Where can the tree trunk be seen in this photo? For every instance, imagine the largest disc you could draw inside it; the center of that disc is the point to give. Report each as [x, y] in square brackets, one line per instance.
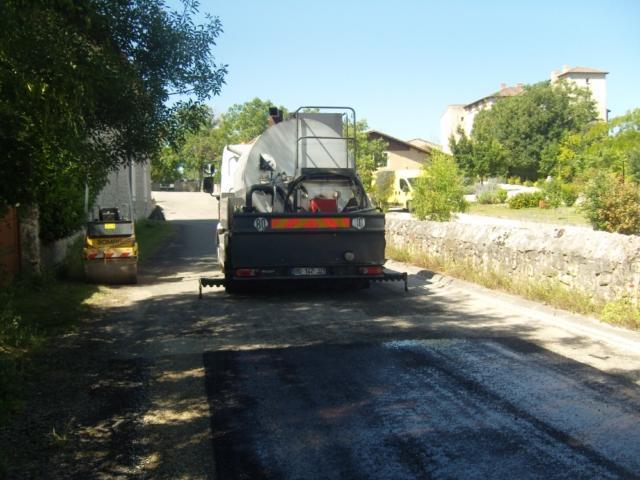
[30, 239]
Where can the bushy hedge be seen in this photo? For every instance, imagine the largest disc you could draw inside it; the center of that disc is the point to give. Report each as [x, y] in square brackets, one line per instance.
[613, 204]
[569, 193]
[525, 200]
[487, 197]
[440, 190]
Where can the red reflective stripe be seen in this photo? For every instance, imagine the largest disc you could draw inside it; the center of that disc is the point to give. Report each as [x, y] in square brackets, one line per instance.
[310, 223]
[91, 256]
[108, 254]
[124, 254]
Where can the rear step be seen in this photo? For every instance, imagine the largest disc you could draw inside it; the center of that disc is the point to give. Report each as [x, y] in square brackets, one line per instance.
[381, 277]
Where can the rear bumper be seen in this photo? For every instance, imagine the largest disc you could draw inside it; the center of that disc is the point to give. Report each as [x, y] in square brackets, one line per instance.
[384, 277]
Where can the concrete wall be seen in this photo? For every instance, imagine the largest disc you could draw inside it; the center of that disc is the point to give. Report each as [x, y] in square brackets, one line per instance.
[55, 252]
[604, 265]
[116, 192]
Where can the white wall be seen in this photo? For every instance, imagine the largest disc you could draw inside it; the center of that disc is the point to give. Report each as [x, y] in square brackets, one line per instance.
[452, 117]
[597, 83]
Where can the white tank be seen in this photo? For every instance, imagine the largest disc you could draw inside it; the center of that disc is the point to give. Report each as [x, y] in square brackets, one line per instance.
[317, 138]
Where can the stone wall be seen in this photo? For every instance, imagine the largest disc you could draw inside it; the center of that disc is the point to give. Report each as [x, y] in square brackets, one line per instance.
[55, 252]
[604, 265]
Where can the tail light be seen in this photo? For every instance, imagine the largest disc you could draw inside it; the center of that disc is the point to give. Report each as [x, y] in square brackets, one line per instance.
[246, 272]
[375, 270]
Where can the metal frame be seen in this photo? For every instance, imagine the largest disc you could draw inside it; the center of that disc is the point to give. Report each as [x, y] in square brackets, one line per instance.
[352, 139]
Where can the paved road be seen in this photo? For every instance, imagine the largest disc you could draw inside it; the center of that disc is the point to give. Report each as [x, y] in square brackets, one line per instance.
[447, 381]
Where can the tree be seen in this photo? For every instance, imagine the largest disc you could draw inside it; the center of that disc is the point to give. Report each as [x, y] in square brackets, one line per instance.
[371, 153]
[440, 190]
[244, 122]
[602, 146]
[518, 135]
[84, 87]
[462, 151]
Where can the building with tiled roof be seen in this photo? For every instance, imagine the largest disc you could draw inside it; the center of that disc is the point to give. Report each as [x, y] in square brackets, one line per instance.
[463, 115]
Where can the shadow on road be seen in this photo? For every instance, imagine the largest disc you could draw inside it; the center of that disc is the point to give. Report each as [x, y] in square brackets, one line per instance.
[140, 366]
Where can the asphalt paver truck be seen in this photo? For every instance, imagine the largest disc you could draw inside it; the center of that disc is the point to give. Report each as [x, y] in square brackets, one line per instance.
[292, 208]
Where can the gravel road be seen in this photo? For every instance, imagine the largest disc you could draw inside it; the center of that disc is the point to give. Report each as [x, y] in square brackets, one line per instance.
[446, 381]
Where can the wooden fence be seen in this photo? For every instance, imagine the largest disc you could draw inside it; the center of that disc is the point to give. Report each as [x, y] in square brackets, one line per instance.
[9, 245]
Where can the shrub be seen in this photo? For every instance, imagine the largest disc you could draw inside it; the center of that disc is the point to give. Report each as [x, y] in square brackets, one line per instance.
[382, 189]
[552, 190]
[439, 191]
[569, 194]
[622, 312]
[613, 205]
[528, 183]
[487, 197]
[525, 200]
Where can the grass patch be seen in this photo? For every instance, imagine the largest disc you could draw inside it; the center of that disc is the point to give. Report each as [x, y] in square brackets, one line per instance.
[560, 215]
[620, 312]
[33, 310]
[150, 235]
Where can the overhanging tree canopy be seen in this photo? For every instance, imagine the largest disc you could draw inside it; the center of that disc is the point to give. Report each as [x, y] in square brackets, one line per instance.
[84, 87]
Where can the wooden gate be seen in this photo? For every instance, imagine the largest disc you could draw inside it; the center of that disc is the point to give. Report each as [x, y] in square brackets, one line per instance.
[9, 245]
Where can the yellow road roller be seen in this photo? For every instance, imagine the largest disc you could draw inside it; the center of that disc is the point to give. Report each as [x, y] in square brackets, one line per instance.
[110, 249]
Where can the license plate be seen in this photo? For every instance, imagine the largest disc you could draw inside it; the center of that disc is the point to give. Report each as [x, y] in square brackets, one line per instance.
[109, 226]
[308, 271]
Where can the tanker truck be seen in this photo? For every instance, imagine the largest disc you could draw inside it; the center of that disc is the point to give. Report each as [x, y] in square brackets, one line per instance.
[292, 207]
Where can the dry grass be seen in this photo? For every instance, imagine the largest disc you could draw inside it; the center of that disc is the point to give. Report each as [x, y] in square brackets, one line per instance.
[553, 293]
[560, 215]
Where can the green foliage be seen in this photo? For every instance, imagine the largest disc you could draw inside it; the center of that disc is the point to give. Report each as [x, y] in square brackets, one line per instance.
[440, 190]
[371, 153]
[569, 193]
[203, 146]
[486, 198]
[150, 235]
[490, 194]
[84, 88]
[612, 204]
[525, 200]
[622, 312]
[613, 147]
[244, 122]
[383, 189]
[518, 136]
[552, 190]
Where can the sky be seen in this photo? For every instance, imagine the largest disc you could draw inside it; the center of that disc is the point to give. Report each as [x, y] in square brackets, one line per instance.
[400, 63]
